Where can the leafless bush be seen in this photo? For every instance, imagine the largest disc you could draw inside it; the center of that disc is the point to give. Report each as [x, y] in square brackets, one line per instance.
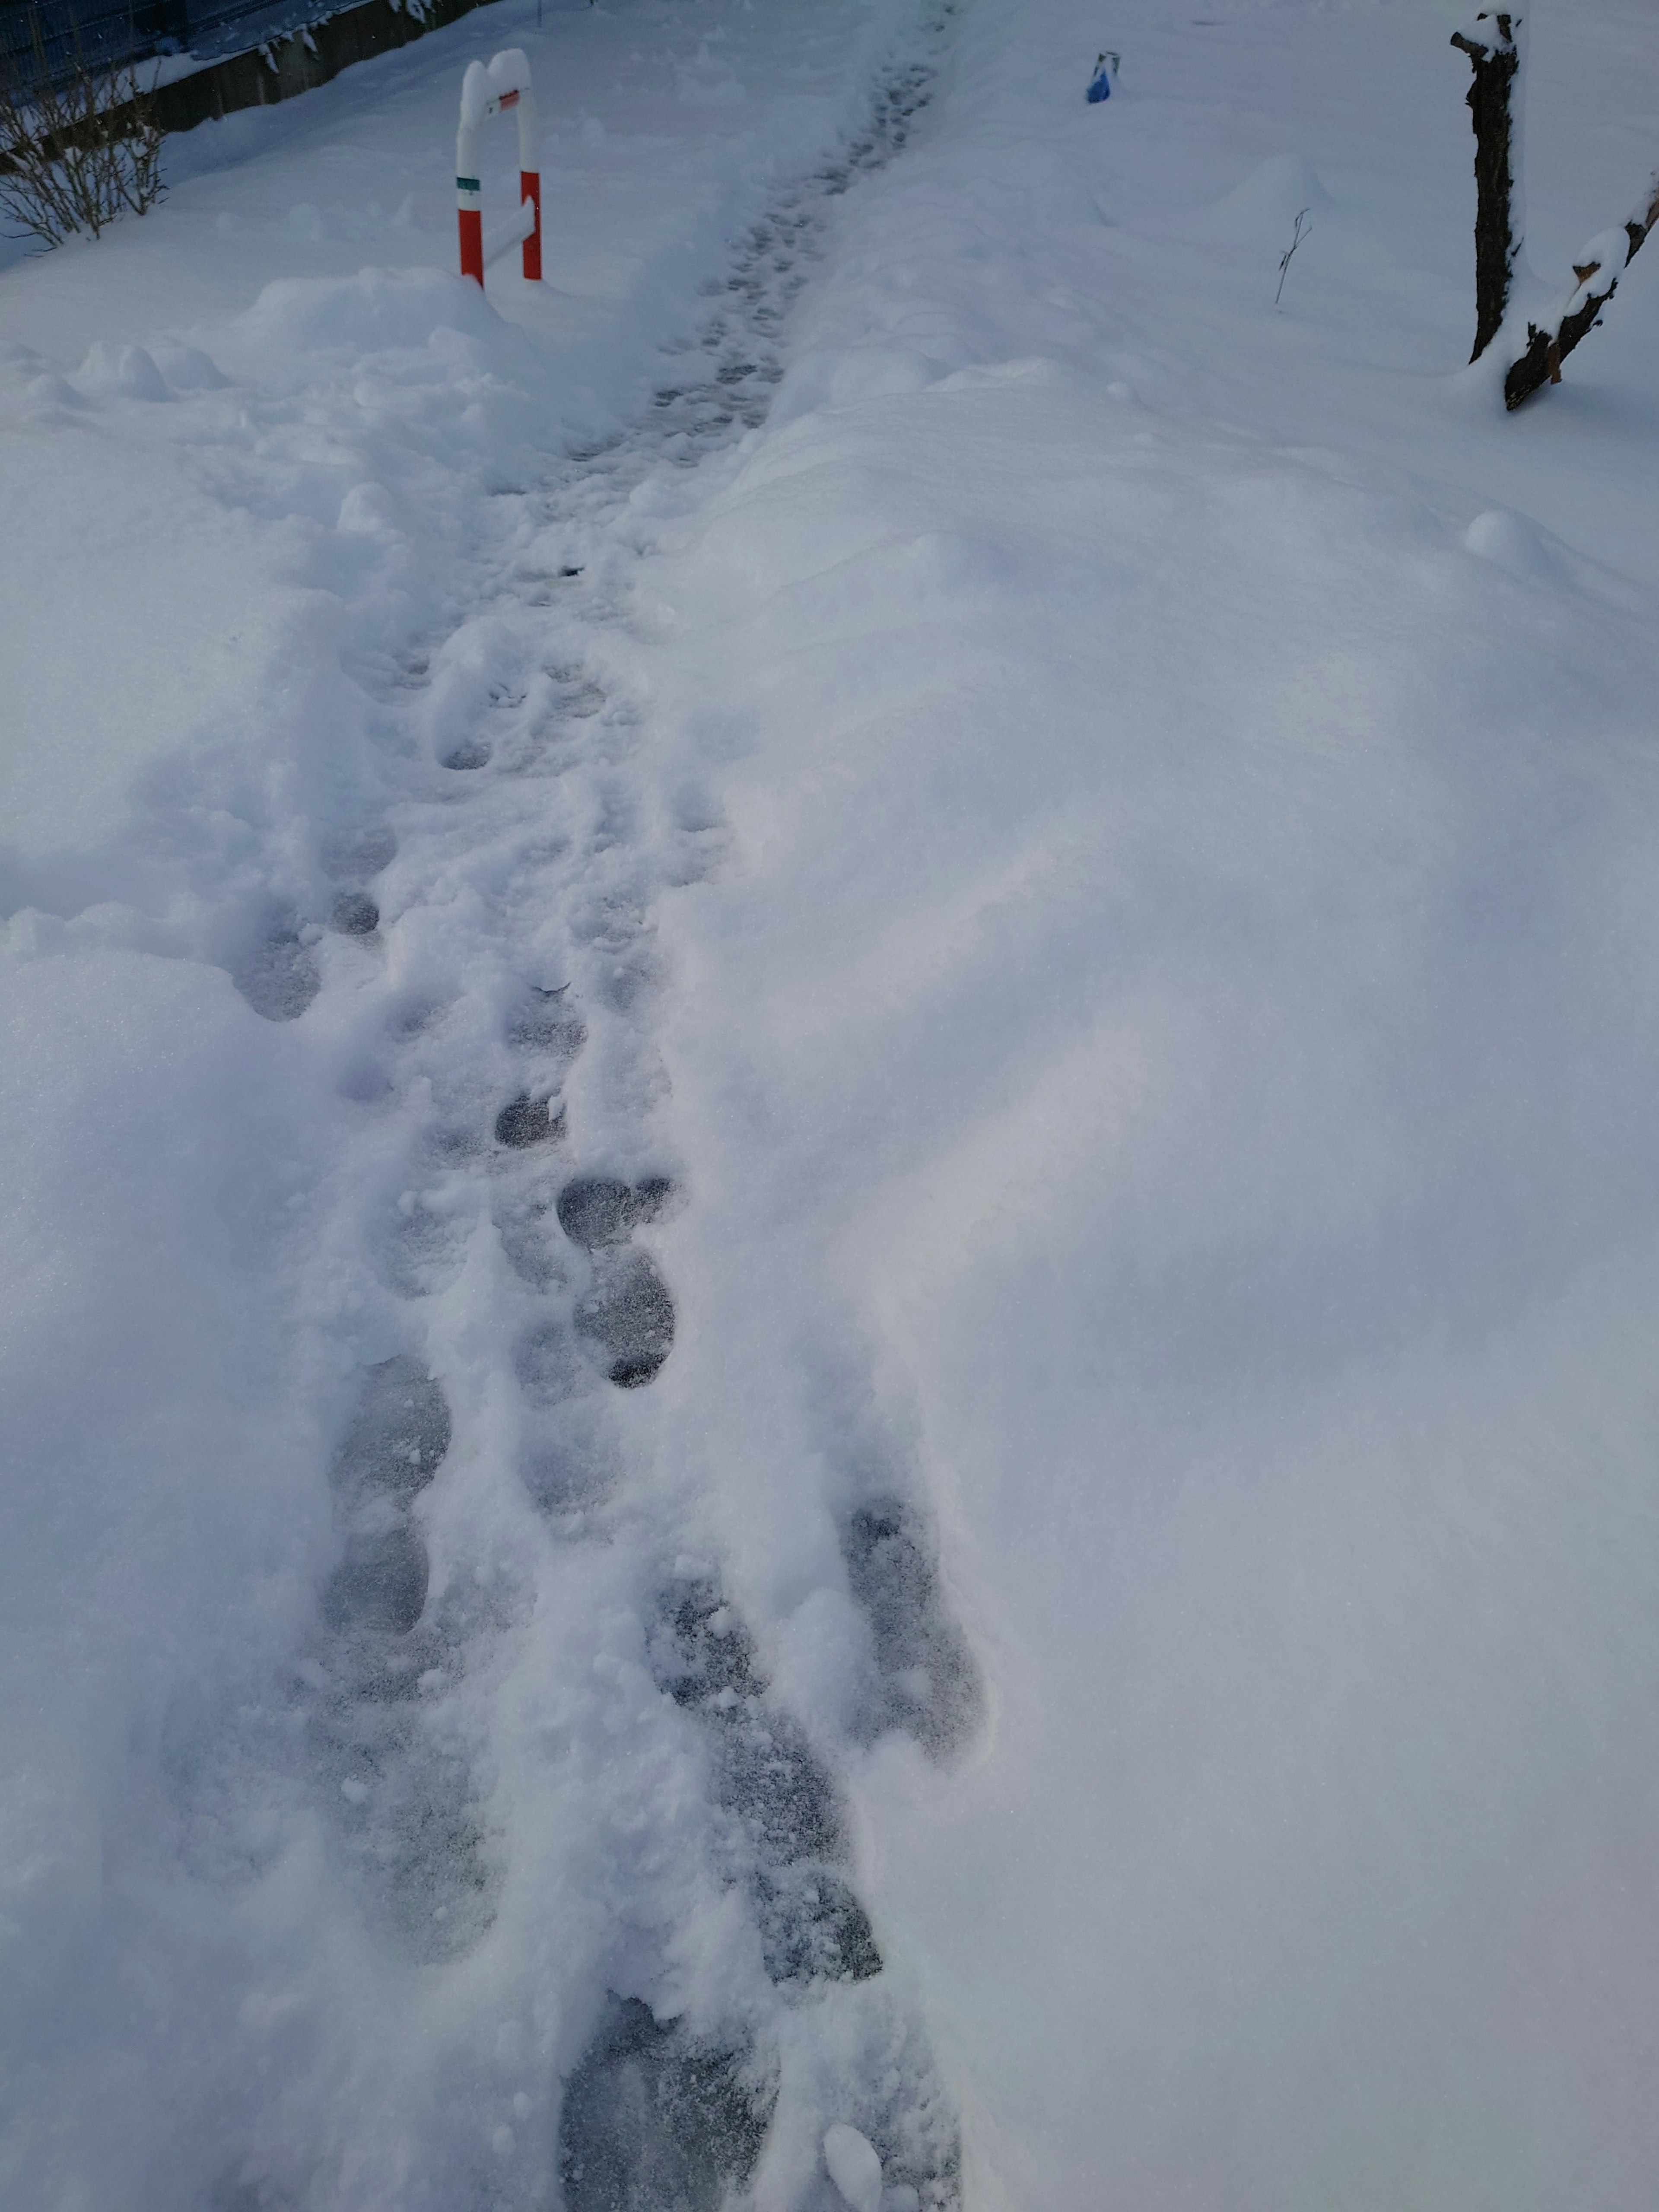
[76, 151]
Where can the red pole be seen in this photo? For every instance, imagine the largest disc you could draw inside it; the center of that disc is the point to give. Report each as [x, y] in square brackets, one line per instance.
[471, 221]
[530, 188]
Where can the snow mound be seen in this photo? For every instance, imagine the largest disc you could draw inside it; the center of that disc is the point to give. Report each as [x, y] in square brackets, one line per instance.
[376, 311]
[187, 368]
[121, 371]
[847, 377]
[1514, 543]
[1262, 209]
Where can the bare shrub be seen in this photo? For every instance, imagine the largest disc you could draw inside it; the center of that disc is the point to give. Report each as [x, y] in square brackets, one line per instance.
[78, 149]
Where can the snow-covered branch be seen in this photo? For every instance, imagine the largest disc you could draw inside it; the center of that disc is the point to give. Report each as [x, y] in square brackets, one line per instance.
[1595, 279]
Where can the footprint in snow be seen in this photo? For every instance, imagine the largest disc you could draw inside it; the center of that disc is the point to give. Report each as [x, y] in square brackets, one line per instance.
[628, 1314]
[626, 1310]
[526, 1120]
[784, 1806]
[381, 1584]
[655, 2116]
[549, 1026]
[396, 1441]
[279, 976]
[399, 1435]
[355, 915]
[923, 1678]
[353, 861]
[403, 1802]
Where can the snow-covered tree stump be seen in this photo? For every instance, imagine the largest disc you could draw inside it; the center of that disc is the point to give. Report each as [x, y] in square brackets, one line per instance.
[1491, 45]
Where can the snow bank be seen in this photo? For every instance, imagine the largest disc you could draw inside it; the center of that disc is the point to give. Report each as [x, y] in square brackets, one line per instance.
[1168, 1058]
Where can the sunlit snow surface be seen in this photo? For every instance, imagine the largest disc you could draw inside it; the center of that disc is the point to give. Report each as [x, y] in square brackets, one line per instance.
[829, 1142]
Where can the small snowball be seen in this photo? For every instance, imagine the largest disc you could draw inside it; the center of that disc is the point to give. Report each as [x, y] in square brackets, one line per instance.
[1514, 543]
[854, 2167]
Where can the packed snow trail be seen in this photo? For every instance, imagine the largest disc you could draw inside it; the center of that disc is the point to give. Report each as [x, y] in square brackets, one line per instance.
[658, 1940]
[505, 1187]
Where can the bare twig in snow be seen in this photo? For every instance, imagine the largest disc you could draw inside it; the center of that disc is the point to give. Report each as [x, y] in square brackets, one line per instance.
[1304, 228]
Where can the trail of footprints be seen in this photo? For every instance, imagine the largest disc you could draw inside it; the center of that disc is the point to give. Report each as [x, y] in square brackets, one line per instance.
[405, 1802]
[653, 2116]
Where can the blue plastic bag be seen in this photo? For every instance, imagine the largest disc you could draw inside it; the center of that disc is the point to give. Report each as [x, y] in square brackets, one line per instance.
[1100, 85]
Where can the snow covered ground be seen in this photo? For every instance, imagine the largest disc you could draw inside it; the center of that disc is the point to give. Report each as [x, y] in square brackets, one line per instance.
[830, 1194]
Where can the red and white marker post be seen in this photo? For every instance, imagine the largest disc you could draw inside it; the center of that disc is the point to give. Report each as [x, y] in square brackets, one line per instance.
[502, 86]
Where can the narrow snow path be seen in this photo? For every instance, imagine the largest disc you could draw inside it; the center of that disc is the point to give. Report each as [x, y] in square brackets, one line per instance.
[505, 1190]
[509, 1832]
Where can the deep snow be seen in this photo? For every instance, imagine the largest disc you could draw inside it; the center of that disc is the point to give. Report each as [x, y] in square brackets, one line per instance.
[836, 1150]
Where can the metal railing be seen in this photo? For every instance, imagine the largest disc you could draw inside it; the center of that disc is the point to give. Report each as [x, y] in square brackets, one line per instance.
[50, 37]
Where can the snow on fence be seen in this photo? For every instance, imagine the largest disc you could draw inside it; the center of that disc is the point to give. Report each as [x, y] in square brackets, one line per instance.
[504, 86]
[216, 56]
